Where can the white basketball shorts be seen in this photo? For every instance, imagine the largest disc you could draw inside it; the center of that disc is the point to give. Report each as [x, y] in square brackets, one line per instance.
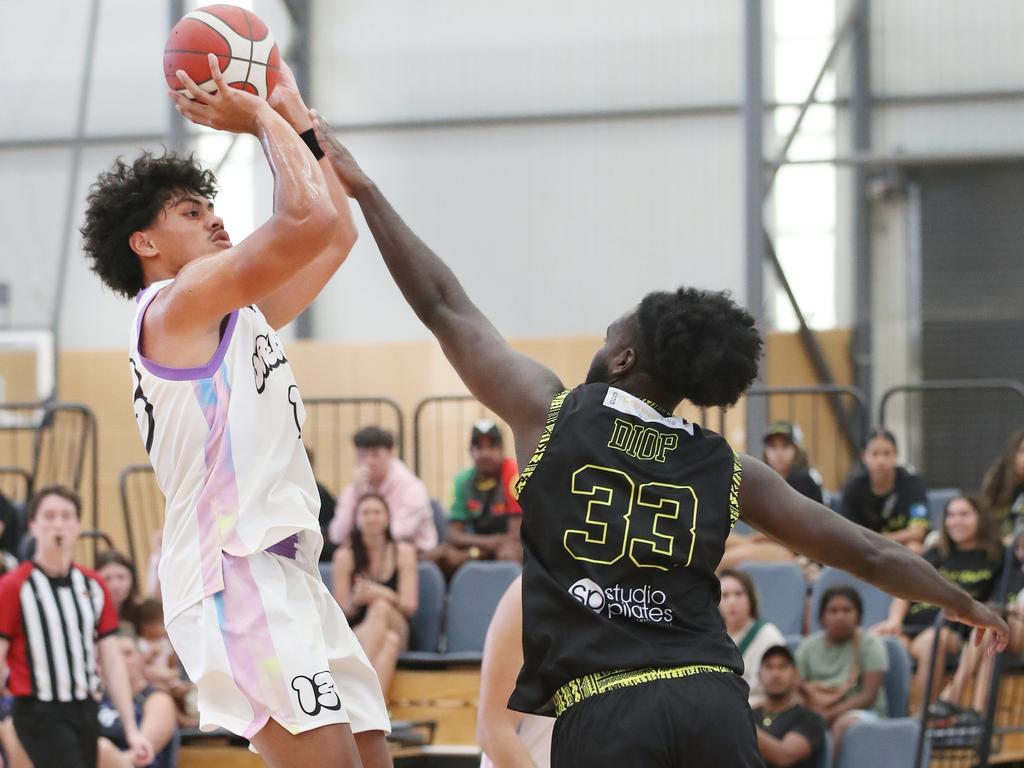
[275, 644]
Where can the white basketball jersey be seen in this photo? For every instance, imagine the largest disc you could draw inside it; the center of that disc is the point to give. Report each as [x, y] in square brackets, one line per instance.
[225, 444]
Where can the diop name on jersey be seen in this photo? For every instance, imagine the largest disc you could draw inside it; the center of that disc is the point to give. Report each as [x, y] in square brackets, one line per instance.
[638, 603]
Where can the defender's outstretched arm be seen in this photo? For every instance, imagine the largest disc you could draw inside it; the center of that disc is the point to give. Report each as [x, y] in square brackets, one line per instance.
[516, 387]
[769, 504]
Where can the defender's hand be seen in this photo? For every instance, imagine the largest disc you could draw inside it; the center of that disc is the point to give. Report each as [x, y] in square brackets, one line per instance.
[984, 619]
[228, 109]
[348, 170]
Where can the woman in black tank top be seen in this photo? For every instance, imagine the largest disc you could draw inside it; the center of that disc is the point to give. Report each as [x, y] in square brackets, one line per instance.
[376, 585]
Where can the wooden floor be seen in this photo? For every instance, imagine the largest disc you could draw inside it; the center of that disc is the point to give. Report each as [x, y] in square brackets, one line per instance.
[447, 697]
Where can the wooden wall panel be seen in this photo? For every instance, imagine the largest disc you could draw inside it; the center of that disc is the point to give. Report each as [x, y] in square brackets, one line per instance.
[406, 372]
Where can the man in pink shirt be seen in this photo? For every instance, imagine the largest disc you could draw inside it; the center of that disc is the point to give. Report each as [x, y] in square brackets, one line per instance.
[379, 471]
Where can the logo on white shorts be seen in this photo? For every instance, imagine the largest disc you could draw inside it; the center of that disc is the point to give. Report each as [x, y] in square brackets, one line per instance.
[316, 693]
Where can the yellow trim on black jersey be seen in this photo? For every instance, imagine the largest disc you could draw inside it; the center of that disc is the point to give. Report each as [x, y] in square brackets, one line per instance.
[542, 443]
[734, 489]
[584, 687]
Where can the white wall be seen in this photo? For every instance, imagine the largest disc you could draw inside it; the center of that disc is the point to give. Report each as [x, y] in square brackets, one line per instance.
[556, 227]
[42, 44]
[920, 47]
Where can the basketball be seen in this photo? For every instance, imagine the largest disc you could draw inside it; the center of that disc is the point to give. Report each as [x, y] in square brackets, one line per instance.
[245, 49]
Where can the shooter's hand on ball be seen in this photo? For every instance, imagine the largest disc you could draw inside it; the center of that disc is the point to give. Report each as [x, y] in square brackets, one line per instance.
[286, 98]
[228, 109]
[348, 170]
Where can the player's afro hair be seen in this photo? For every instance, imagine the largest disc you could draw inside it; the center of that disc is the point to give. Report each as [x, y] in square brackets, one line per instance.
[128, 198]
[700, 345]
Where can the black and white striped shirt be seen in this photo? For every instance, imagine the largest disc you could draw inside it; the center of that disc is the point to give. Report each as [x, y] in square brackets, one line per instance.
[53, 626]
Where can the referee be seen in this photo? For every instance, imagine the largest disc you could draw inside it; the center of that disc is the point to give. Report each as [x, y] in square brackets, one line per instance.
[626, 512]
[56, 621]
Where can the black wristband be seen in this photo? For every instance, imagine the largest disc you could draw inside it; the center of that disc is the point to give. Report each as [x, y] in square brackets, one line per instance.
[314, 146]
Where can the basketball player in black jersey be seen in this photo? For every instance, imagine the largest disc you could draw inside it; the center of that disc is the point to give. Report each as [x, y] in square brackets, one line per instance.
[626, 512]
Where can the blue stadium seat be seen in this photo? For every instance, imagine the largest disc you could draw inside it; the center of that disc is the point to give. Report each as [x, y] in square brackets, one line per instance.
[825, 756]
[440, 519]
[834, 501]
[475, 591]
[938, 498]
[876, 602]
[897, 679]
[879, 744]
[326, 572]
[743, 529]
[781, 593]
[425, 625]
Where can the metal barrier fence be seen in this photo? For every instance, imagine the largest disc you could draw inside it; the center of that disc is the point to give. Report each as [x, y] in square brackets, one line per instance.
[953, 430]
[330, 424]
[441, 429]
[142, 505]
[834, 421]
[987, 725]
[46, 443]
[971, 738]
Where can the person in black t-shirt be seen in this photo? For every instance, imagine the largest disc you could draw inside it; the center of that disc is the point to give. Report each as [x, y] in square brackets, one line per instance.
[784, 452]
[969, 554]
[788, 733]
[885, 497]
[622, 639]
[976, 665]
[1003, 487]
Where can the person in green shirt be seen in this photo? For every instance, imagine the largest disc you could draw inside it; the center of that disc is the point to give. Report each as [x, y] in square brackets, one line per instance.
[485, 516]
[842, 666]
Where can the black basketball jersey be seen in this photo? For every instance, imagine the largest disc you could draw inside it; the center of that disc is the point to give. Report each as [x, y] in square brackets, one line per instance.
[626, 512]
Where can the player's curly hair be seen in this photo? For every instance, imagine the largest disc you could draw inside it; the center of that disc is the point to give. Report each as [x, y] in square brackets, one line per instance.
[128, 198]
[700, 345]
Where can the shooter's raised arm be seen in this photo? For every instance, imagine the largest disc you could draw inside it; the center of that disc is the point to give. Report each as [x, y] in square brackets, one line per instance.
[301, 227]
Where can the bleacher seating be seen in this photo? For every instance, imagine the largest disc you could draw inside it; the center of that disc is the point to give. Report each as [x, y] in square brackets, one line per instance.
[425, 625]
[475, 591]
[440, 519]
[743, 529]
[879, 744]
[825, 756]
[781, 593]
[897, 679]
[938, 498]
[876, 602]
[834, 500]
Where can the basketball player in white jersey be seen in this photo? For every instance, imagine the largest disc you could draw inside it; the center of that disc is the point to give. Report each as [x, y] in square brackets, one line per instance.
[221, 418]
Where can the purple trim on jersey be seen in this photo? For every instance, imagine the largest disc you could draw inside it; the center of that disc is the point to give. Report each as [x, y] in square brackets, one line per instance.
[287, 547]
[185, 374]
[217, 507]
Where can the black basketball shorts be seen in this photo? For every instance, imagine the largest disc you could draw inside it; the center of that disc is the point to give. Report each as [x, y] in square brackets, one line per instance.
[699, 721]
